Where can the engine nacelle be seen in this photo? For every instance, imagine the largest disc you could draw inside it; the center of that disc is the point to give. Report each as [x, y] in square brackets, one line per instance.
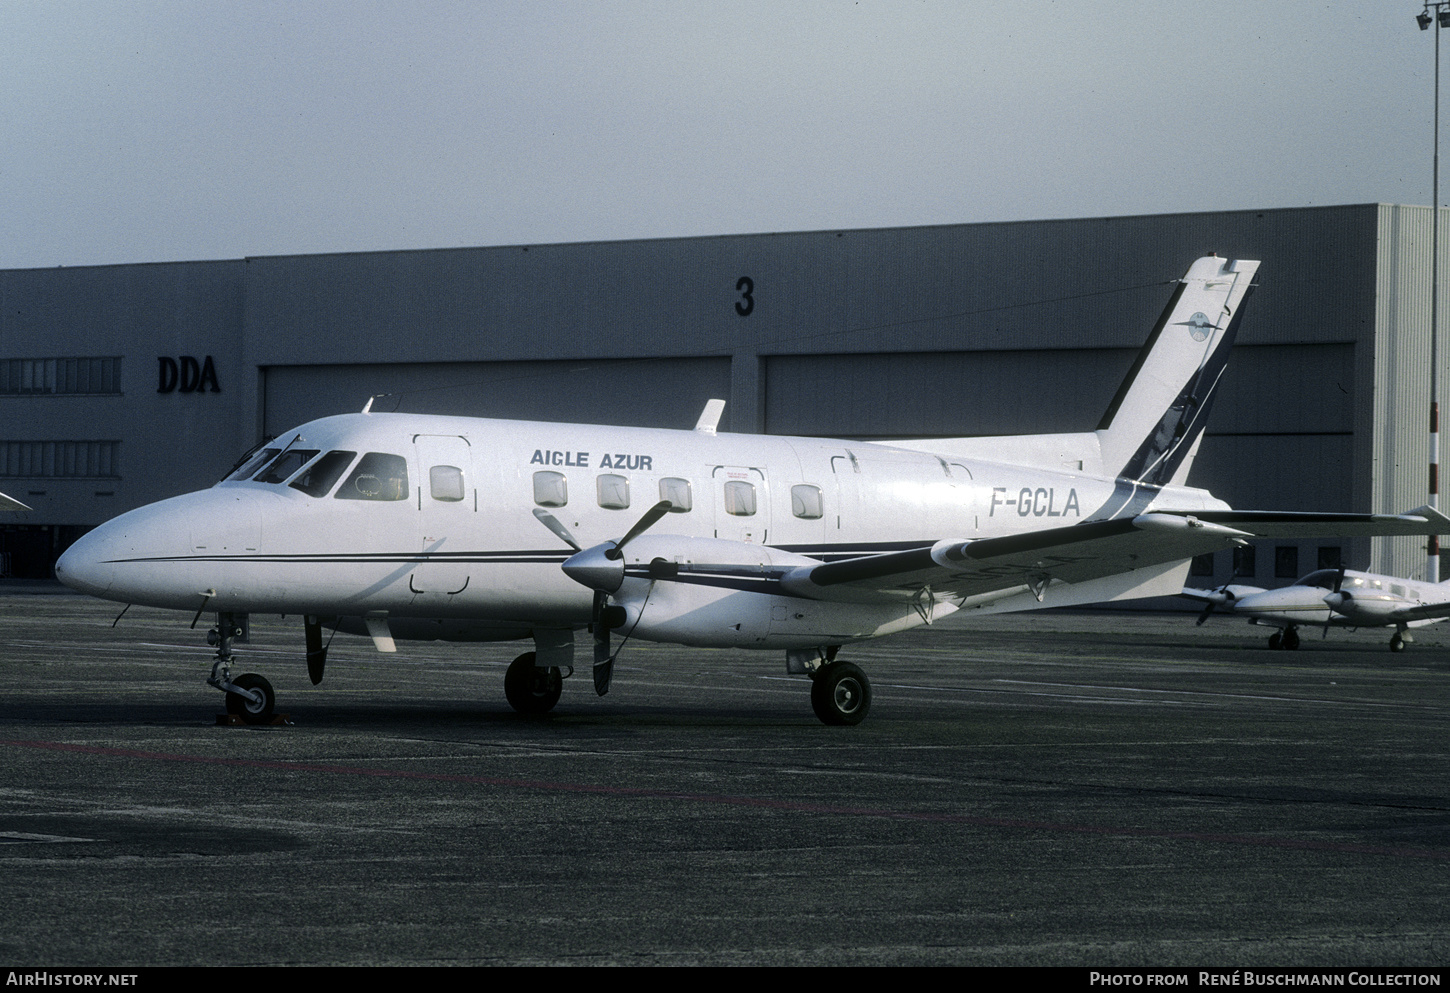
[727, 594]
[1367, 608]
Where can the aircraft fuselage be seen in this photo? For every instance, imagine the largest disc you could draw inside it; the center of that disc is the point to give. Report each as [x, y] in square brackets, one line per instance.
[429, 517]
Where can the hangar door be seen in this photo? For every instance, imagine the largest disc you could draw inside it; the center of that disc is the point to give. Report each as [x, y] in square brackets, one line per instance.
[637, 392]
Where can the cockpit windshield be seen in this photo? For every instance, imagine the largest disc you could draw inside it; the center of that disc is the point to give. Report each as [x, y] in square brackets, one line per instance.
[1322, 578]
[286, 464]
[318, 478]
[248, 464]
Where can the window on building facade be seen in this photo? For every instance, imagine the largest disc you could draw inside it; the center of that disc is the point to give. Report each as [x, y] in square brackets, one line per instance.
[1286, 561]
[1244, 562]
[60, 459]
[59, 377]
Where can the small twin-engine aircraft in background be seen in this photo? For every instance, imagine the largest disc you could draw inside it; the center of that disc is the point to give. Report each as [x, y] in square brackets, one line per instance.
[1333, 598]
[412, 526]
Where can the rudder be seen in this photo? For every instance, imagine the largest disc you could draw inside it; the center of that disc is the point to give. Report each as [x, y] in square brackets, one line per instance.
[1151, 430]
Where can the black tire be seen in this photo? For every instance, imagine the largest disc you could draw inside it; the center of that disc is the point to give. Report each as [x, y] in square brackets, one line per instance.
[531, 690]
[841, 694]
[1397, 643]
[1276, 640]
[249, 712]
[1291, 639]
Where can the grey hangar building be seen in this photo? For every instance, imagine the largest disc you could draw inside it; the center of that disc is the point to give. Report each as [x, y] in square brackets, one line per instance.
[125, 384]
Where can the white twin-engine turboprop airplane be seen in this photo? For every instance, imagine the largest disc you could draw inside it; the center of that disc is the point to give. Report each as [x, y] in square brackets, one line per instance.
[1334, 598]
[416, 526]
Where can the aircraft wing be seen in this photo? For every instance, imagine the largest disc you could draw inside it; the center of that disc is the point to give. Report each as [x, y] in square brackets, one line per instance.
[1224, 594]
[10, 503]
[988, 568]
[1419, 612]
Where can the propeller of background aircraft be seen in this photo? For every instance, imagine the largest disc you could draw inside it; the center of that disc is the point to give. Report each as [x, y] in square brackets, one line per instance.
[1225, 596]
[1222, 595]
[1334, 592]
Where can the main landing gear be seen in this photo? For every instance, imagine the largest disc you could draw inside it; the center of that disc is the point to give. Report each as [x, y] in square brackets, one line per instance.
[840, 694]
[530, 689]
[249, 696]
[840, 691]
[1287, 639]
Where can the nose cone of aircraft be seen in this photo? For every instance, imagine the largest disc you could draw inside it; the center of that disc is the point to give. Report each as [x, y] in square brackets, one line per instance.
[593, 568]
[85, 565]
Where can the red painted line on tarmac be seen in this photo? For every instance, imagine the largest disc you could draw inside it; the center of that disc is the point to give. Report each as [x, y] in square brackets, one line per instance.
[1301, 844]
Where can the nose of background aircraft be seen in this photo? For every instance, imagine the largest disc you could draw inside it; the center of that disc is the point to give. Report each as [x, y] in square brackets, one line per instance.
[84, 566]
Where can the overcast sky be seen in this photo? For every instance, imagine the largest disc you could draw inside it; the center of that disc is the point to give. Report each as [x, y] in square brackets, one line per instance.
[158, 131]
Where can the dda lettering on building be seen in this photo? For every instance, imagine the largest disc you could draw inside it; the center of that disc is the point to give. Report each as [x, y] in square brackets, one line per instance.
[186, 375]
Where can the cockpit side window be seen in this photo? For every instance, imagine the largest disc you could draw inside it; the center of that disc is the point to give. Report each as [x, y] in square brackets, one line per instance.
[318, 478]
[287, 463]
[378, 476]
[251, 465]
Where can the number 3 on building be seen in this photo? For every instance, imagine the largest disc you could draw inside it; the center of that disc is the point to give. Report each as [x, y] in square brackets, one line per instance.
[745, 286]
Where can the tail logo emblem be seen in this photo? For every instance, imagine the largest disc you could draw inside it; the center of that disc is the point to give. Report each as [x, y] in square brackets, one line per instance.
[1199, 326]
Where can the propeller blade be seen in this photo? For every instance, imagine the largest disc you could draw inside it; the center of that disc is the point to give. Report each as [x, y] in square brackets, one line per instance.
[650, 518]
[552, 523]
[603, 661]
[1207, 609]
[1338, 582]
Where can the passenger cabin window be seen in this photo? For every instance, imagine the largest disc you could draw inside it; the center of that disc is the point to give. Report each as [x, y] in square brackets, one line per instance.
[445, 482]
[551, 489]
[378, 476]
[251, 465]
[805, 501]
[318, 478]
[740, 498]
[677, 492]
[287, 463]
[613, 491]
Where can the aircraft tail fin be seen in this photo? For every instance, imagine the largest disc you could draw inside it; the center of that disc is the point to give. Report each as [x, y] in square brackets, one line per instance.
[1151, 430]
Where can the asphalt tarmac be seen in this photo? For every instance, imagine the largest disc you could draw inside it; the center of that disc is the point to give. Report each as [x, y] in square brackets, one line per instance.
[1085, 789]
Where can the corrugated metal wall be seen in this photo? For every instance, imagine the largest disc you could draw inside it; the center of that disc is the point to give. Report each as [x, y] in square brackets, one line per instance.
[949, 330]
[1399, 420]
[645, 392]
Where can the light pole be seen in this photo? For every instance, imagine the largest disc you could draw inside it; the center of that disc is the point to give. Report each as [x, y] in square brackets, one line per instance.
[1440, 19]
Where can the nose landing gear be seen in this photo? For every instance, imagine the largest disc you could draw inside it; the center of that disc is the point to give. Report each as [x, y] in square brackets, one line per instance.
[249, 696]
